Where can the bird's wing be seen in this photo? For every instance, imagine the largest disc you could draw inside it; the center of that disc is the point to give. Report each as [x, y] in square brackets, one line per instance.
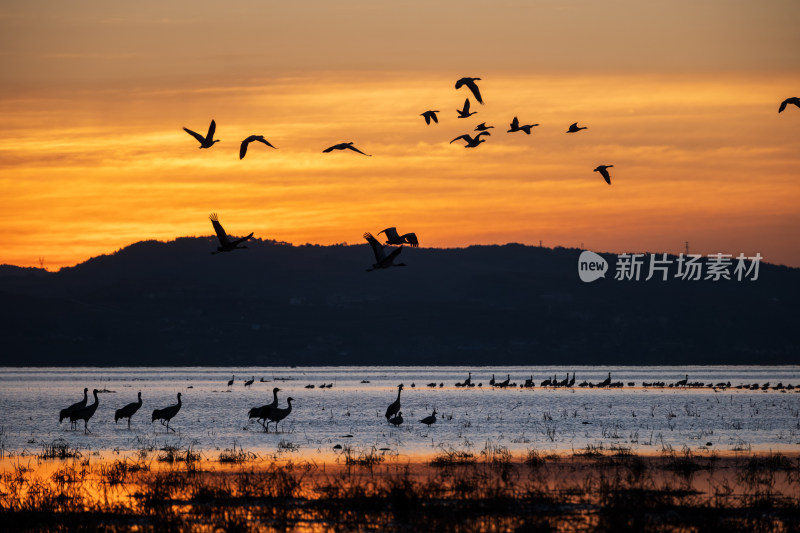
[783, 106]
[221, 235]
[243, 147]
[389, 259]
[526, 129]
[332, 148]
[606, 175]
[474, 88]
[411, 238]
[211, 129]
[433, 116]
[466, 105]
[427, 118]
[196, 135]
[391, 234]
[465, 137]
[261, 139]
[350, 146]
[460, 82]
[515, 124]
[239, 241]
[376, 246]
[483, 133]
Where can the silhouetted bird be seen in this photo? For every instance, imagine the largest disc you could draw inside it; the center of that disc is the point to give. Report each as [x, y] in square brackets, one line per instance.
[516, 127]
[344, 146]
[230, 381]
[574, 128]
[430, 115]
[260, 413]
[397, 420]
[64, 413]
[249, 381]
[167, 413]
[602, 169]
[246, 142]
[472, 86]
[277, 414]
[428, 420]
[465, 113]
[793, 100]
[207, 141]
[85, 413]
[382, 260]
[482, 127]
[392, 237]
[225, 244]
[128, 411]
[472, 142]
[394, 407]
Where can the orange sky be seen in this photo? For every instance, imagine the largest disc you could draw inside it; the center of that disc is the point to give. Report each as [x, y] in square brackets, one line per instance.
[682, 100]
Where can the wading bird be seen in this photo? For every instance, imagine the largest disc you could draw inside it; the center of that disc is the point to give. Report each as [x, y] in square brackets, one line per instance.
[793, 100]
[246, 142]
[128, 411]
[260, 413]
[344, 146]
[230, 381]
[516, 127]
[64, 413]
[392, 237]
[225, 244]
[394, 407]
[573, 128]
[167, 413]
[382, 260]
[431, 419]
[465, 113]
[430, 115]
[249, 381]
[472, 86]
[207, 141]
[603, 170]
[397, 420]
[472, 142]
[85, 413]
[277, 414]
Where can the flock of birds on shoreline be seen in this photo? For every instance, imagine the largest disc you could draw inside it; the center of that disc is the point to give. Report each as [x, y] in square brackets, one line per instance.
[382, 258]
[273, 413]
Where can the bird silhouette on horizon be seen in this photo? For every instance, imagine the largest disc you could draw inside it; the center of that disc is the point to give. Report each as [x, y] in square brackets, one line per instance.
[472, 86]
[392, 237]
[394, 407]
[225, 243]
[793, 100]
[573, 128]
[128, 411]
[603, 170]
[471, 141]
[252, 138]
[344, 146]
[430, 419]
[64, 413]
[167, 413]
[465, 112]
[516, 127]
[382, 260]
[207, 141]
[430, 115]
[261, 413]
[85, 413]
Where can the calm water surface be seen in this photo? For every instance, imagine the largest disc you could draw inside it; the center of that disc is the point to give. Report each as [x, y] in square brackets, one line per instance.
[214, 417]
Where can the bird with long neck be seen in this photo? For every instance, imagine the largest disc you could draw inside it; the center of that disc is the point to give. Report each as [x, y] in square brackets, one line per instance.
[64, 413]
[394, 407]
[85, 413]
[277, 414]
[167, 413]
[128, 411]
[261, 413]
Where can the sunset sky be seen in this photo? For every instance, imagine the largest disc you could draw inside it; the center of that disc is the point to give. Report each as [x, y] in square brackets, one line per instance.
[681, 97]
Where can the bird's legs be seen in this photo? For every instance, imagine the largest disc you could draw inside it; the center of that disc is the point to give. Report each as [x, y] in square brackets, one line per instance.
[170, 427]
[86, 427]
[129, 422]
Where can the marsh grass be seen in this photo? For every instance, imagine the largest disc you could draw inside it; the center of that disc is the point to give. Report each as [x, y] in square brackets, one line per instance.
[58, 449]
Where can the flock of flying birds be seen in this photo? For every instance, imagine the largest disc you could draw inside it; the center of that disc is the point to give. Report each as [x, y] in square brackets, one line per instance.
[382, 258]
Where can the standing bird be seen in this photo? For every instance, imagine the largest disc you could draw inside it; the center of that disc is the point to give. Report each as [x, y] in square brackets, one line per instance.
[482, 127]
[603, 170]
[793, 100]
[85, 413]
[249, 381]
[167, 413]
[128, 411]
[246, 142]
[64, 413]
[516, 127]
[472, 142]
[260, 413]
[431, 419]
[392, 237]
[573, 128]
[472, 86]
[383, 260]
[465, 113]
[430, 115]
[344, 146]
[394, 407]
[397, 420]
[207, 141]
[277, 414]
[225, 244]
[230, 381]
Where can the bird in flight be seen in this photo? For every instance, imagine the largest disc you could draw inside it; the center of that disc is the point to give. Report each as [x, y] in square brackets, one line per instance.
[472, 142]
[464, 113]
[343, 146]
[516, 127]
[246, 142]
[207, 141]
[574, 128]
[472, 86]
[382, 260]
[392, 237]
[430, 115]
[794, 100]
[482, 127]
[225, 243]
[603, 170]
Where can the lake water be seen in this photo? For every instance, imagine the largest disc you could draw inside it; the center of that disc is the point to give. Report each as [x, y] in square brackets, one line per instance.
[213, 417]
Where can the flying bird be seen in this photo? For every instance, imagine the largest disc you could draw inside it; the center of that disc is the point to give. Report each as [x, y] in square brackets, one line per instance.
[472, 86]
[128, 411]
[343, 146]
[382, 260]
[207, 141]
[516, 127]
[482, 127]
[430, 115]
[392, 237]
[574, 128]
[64, 413]
[246, 142]
[603, 170]
[472, 142]
[167, 413]
[225, 244]
[794, 100]
[464, 113]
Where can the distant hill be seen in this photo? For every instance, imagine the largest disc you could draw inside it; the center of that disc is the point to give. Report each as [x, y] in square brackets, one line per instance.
[156, 303]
